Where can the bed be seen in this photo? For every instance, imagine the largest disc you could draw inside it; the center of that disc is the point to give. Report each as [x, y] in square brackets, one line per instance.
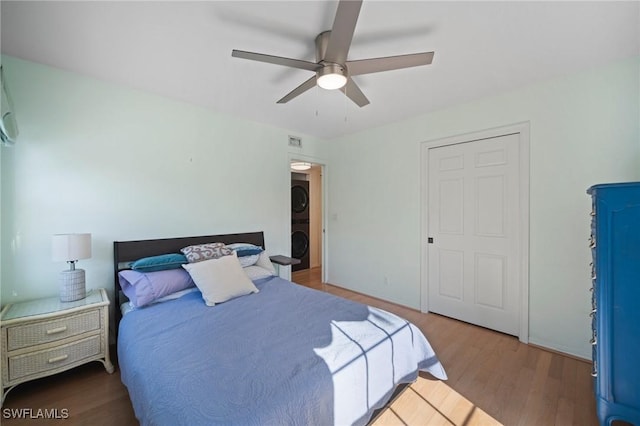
[282, 354]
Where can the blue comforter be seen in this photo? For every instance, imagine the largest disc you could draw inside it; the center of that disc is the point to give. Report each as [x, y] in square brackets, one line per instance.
[284, 355]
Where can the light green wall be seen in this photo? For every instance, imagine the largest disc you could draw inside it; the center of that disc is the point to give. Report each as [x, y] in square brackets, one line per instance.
[584, 130]
[124, 164]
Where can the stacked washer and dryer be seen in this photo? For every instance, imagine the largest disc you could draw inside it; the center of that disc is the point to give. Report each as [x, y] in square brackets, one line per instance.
[300, 223]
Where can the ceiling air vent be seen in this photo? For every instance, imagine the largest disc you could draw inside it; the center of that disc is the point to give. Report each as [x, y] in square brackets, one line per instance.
[295, 141]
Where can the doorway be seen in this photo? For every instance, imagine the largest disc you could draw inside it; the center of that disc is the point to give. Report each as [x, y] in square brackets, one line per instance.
[307, 224]
[476, 220]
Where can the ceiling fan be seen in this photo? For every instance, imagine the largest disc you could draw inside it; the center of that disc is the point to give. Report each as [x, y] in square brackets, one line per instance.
[332, 69]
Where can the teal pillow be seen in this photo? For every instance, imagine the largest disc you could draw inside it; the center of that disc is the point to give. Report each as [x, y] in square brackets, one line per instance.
[245, 249]
[159, 263]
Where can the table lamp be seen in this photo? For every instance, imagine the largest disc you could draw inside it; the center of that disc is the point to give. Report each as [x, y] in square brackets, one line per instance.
[70, 248]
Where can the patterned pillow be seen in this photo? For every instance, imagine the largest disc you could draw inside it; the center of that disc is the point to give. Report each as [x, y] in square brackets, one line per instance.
[201, 252]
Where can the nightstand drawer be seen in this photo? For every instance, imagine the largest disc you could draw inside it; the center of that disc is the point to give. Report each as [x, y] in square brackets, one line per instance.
[35, 363]
[49, 331]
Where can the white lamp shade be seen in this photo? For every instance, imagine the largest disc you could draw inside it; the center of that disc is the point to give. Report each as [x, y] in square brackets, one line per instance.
[70, 247]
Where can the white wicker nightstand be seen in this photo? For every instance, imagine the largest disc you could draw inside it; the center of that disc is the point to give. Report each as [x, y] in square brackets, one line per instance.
[45, 336]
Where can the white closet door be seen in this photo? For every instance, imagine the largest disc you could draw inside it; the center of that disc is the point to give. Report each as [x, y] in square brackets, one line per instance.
[473, 211]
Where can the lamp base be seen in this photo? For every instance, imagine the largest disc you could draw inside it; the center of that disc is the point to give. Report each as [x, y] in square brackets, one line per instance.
[72, 285]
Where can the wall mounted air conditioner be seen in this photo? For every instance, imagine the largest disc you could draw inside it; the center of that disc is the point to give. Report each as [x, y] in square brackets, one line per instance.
[8, 123]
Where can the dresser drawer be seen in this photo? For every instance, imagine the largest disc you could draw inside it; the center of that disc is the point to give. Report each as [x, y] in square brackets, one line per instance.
[26, 335]
[36, 363]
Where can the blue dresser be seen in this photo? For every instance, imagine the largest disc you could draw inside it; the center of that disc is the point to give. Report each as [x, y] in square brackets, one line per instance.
[615, 246]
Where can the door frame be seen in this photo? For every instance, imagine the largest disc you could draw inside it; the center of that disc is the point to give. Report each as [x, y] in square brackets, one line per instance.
[292, 156]
[523, 129]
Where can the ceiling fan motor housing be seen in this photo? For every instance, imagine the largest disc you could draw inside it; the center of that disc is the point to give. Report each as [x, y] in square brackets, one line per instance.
[331, 76]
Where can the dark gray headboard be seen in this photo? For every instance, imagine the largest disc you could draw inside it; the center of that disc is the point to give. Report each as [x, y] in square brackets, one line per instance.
[128, 251]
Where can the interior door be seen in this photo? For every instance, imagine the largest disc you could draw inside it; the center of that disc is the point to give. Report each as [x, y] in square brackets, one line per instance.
[473, 250]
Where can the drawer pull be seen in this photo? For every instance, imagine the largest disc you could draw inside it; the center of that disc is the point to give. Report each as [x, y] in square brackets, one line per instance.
[57, 330]
[57, 359]
[594, 374]
[593, 312]
[593, 341]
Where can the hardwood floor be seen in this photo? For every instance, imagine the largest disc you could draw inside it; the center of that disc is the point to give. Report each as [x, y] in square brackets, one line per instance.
[89, 395]
[493, 379]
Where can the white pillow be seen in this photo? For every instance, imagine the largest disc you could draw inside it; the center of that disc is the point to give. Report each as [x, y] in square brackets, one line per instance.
[265, 262]
[246, 261]
[220, 279]
[256, 272]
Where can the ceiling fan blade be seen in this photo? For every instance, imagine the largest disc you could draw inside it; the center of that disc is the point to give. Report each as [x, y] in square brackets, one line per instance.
[344, 25]
[309, 84]
[369, 66]
[278, 60]
[354, 93]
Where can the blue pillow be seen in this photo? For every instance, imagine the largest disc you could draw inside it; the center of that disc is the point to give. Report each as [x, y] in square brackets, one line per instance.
[248, 251]
[159, 263]
[245, 249]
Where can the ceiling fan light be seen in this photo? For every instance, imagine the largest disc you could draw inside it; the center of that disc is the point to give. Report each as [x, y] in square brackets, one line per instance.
[332, 77]
[300, 165]
[332, 81]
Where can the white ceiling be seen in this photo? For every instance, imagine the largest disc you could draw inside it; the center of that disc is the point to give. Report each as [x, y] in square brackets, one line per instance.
[182, 50]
